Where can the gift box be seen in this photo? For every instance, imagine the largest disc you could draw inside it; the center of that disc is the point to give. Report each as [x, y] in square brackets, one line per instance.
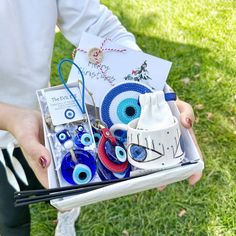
[148, 179]
[153, 148]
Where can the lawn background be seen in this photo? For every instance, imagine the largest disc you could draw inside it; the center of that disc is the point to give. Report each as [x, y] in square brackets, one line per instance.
[199, 37]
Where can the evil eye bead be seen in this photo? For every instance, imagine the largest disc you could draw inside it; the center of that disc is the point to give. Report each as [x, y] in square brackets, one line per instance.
[115, 153]
[121, 135]
[82, 174]
[63, 136]
[83, 138]
[80, 128]
[86, 139]
[120, 154]
[138, 153]
[128, 110]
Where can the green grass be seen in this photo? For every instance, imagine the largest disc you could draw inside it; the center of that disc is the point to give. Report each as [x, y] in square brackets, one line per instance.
[199, 37]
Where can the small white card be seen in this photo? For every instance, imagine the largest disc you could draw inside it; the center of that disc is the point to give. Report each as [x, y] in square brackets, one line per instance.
[116, 66]
[62, 106]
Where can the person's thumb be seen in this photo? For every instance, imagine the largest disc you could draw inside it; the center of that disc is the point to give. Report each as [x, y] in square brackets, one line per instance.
[195, 178]
[38, 157]
[186, 116]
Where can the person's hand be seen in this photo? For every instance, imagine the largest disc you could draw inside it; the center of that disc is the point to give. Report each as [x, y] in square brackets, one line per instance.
[187, 119]
[26, 126]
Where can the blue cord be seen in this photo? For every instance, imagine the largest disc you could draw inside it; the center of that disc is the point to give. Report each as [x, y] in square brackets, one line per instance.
[82, 108]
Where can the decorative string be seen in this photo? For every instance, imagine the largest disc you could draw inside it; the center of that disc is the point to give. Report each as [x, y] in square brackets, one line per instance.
[81, 107]
[95, 56]
[83, 90]
[98, 124]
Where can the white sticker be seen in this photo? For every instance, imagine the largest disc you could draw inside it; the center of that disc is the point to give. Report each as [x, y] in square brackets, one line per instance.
[62, 106]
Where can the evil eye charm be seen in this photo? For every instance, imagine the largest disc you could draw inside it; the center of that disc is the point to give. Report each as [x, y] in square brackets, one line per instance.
[116, 153]
[81, 172]
[112, 162]
[83, 138]
[63, 136]
[138, 153]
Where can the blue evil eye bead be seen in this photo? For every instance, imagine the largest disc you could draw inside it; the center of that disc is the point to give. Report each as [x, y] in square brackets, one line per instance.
[86, 139]
[82, 174]
[115, 153]
[69, 114]
[106, 174]
[128, 110]
[120, 154]
[63, 136]
[80, 128]
[138, 153]
[82, 171]
[83, 138]
[121, 135]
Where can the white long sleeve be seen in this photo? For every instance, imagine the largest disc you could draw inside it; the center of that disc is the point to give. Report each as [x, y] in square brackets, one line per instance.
[27, 30]
[92, 17]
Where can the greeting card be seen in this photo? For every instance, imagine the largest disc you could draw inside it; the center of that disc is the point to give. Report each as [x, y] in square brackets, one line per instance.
[105, 64]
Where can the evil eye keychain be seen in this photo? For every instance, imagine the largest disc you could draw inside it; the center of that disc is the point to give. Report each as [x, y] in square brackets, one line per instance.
[112, 162]
[78, 165]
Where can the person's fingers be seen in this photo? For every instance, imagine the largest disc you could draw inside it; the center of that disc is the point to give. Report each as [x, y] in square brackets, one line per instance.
[186, 114]
[37, 151]
[38, 158]
[194, 178]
